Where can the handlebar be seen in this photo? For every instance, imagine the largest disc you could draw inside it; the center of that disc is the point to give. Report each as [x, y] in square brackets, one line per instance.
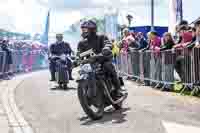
[84, 60]
[59, 56]
[91, 59]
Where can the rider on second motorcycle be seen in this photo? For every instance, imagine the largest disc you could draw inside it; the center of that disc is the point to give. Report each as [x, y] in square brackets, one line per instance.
[100, 44]
[58, 48]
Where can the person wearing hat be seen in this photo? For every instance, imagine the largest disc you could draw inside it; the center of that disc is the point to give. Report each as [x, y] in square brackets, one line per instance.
[58, 48]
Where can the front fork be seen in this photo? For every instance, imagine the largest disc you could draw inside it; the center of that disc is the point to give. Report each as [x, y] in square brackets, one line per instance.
[92, 85]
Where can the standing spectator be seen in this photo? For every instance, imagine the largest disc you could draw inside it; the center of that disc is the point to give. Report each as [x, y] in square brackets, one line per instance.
[178, 37]
[155, 44]
[132, 42]
[124, 48]
[19, 57]
[1, 60]
[115, 51]
[124, 51]
[142, 43]
[147, 60]
[197, 26]
[196, 52]
[8, 62]
[143, 69]
[194, 35]
[127, 40]
[155, 41]
[186, 37]
[168, 41]
[167, 59]
[191, 44]
[183, 61]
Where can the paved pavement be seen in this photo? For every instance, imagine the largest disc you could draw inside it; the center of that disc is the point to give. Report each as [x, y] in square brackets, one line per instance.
[11, 119]
[41, 109]
[4, 127]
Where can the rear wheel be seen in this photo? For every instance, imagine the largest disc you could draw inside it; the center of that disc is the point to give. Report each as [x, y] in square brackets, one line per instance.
[92, 106]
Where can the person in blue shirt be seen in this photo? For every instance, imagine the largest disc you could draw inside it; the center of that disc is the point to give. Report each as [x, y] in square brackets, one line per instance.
[142, 43]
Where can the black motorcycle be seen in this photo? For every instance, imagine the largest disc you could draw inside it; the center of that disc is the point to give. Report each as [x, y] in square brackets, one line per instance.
[62, 75]
[95, 89]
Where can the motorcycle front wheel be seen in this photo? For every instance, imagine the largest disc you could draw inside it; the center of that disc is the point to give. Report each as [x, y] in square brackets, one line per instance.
[92, 106]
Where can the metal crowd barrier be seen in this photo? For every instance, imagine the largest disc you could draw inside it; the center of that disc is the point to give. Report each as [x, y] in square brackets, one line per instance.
[22, 61]
[2, 62]
[158, 68]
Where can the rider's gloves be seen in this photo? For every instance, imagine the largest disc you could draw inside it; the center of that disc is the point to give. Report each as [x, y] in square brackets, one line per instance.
[107, 51]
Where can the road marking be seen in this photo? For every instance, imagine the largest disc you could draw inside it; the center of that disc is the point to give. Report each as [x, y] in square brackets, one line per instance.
[172, 127]
[15, 117]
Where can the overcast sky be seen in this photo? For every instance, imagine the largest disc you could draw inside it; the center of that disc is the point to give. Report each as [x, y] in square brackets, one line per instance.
[29, 15]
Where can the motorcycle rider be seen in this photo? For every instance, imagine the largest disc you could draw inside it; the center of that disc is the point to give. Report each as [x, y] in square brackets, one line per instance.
[58, 48]
[100, 44]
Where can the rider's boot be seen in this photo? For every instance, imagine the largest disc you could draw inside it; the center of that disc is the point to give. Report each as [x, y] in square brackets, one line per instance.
[118, 90]
[70, 75]
[53, 77]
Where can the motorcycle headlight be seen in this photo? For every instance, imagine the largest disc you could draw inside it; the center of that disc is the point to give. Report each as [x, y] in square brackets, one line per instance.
[63, 57]
[86, 68]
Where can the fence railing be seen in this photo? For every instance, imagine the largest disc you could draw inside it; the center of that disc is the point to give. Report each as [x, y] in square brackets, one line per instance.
[2, 62]
[159, 67]
[22, 61]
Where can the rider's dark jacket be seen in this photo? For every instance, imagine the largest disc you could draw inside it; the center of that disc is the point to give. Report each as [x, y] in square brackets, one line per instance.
[60, 48]
[96, 42]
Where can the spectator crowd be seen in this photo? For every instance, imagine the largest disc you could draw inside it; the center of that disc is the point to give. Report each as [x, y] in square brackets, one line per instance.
[21, 56]
[155, 48]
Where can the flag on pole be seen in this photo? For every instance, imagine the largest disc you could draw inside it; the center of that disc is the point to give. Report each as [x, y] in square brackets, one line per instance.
[175, 14]
[45, 35]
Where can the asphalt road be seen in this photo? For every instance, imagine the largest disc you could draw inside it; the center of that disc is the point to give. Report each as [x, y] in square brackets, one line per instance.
[145, 111]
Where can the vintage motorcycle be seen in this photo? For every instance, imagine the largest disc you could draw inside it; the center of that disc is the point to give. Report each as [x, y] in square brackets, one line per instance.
[95, 89]
[62, 74]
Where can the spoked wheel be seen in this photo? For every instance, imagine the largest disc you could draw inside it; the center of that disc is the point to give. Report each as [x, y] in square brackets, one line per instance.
[93, 106]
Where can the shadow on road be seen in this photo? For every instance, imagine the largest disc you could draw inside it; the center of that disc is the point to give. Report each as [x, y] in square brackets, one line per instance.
[117, 117]
[57, 88]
